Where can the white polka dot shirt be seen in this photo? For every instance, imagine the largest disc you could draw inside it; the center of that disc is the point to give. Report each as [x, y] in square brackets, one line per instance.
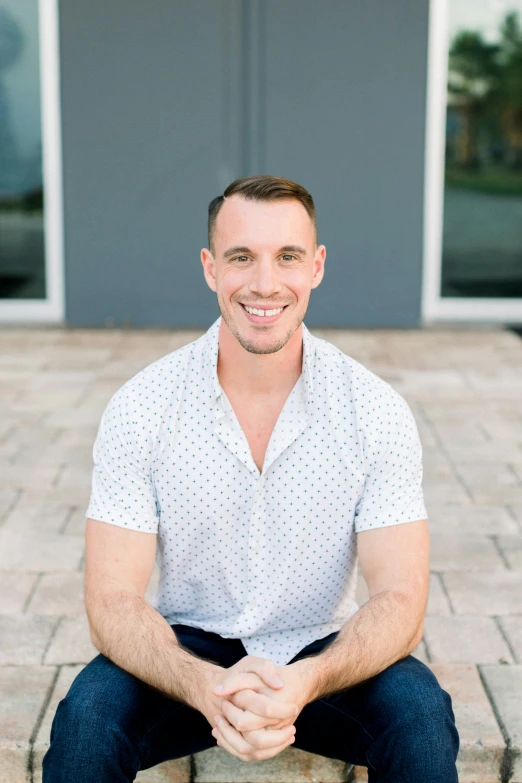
[271, 557]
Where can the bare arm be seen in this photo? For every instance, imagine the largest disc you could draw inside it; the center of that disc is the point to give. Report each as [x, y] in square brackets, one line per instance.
[395, 564]
[127, 629]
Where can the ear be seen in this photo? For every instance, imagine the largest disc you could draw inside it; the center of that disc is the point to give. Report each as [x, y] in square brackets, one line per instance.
[209, 268]
[318, 268]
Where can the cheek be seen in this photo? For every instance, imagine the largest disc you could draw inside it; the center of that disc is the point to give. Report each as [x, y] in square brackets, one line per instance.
[232, 282]
[298, 282]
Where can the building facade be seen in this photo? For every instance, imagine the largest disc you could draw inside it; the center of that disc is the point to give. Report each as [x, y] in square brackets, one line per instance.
[120, 121]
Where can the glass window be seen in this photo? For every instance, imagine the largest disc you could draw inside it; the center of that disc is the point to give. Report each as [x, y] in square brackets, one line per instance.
[482, 239]
[22, 267]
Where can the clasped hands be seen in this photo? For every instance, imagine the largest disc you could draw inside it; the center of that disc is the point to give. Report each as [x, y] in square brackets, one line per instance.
[254, 706]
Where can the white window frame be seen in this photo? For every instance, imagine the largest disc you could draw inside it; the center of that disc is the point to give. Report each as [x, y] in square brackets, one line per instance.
[52, 308]
[436, 308]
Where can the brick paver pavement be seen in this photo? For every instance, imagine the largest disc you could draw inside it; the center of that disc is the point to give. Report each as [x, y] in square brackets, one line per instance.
[464, 386]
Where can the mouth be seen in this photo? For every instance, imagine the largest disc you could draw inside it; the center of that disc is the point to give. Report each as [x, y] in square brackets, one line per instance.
[263, 315]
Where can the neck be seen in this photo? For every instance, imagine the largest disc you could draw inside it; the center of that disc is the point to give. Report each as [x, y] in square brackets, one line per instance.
[254, 374]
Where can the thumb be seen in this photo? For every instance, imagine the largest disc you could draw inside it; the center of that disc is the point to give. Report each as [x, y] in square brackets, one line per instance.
[265, 670]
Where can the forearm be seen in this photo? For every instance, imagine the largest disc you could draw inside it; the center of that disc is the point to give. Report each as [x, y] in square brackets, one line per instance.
[381, 632]
[132, 634]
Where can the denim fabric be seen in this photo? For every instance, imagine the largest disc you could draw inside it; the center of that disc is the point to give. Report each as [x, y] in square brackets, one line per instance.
[399, 723]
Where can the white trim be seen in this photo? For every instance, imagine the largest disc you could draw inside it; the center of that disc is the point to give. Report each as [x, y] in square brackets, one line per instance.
[435, 307]
[507, 310]
[434, 156]
[51, 309]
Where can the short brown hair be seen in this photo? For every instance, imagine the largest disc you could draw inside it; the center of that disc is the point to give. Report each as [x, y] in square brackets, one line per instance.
[261, 187]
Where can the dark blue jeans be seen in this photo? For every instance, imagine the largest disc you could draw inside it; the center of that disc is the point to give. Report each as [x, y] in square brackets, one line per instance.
[399, 723]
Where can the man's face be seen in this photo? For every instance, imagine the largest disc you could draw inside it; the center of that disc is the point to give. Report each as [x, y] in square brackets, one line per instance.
[264, 258]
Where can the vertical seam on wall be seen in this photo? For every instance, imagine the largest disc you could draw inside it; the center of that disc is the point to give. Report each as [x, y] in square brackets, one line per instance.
[254, 86]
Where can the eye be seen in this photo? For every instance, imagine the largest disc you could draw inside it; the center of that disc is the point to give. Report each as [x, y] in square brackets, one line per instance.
[288, 256]
[241, 258]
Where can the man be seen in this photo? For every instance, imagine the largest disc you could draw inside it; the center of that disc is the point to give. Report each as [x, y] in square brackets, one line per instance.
[257, 463]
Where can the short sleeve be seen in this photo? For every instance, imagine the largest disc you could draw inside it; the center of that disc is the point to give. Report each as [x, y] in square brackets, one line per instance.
[392, 492]
[122, 490]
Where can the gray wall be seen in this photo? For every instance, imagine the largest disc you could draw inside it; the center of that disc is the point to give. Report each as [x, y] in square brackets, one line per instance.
[165, 103]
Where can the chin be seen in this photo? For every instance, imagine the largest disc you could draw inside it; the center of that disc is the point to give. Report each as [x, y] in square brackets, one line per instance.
[262, 348]
[263, 342]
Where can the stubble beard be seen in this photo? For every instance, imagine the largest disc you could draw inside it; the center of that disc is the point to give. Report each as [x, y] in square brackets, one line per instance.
[252, 347]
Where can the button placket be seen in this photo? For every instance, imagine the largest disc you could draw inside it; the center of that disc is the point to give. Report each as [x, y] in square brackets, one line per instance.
[256, 531]
[256, 540]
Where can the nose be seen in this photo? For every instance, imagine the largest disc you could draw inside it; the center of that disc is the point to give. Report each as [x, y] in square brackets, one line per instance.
[265, 279]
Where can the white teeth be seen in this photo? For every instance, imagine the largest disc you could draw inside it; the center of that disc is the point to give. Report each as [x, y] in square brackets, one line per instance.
[253, 311]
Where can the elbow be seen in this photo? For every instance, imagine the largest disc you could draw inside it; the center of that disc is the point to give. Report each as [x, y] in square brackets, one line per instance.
[417, 638]
[95, 639]
[416, 618]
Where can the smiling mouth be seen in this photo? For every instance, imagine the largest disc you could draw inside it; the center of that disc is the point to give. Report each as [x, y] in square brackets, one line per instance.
[263, 312]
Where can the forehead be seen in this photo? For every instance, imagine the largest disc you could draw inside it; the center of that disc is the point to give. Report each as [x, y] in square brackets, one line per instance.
[243, 221]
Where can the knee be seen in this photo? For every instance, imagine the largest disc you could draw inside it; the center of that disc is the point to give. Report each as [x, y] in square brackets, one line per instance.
[97, 707]
[430, 715]
[419, 733]
[409, 691]
[83, 718]
[426, 742]
[91, 733]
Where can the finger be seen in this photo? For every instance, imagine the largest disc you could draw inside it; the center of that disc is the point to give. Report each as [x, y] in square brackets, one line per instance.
[227, 746]
[268, 753]
[257, 739]
[232, 737]
[255, 754]
[238, 681]
[244, 719]
[222, 742]
[266, 670]
[268, 738]
[263, 705]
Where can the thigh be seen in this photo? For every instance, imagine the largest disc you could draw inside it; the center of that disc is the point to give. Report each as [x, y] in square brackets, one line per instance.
[177, 730]
[105, 700]
[350, 725]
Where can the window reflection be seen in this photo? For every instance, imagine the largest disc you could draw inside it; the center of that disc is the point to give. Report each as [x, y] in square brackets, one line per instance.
[22, 272]
[482, 240]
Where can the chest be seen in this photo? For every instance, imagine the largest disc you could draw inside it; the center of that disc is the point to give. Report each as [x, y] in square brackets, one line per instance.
[257, 420]
[207, 474]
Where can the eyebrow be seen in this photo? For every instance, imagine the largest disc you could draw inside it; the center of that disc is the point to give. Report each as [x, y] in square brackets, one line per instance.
[285, 249]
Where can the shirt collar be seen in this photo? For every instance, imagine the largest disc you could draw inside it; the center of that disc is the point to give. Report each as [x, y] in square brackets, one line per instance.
[211, 349]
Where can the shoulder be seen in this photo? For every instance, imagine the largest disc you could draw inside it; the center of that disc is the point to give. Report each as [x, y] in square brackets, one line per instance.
[377, 409]
[340, 370]
[141, 402]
